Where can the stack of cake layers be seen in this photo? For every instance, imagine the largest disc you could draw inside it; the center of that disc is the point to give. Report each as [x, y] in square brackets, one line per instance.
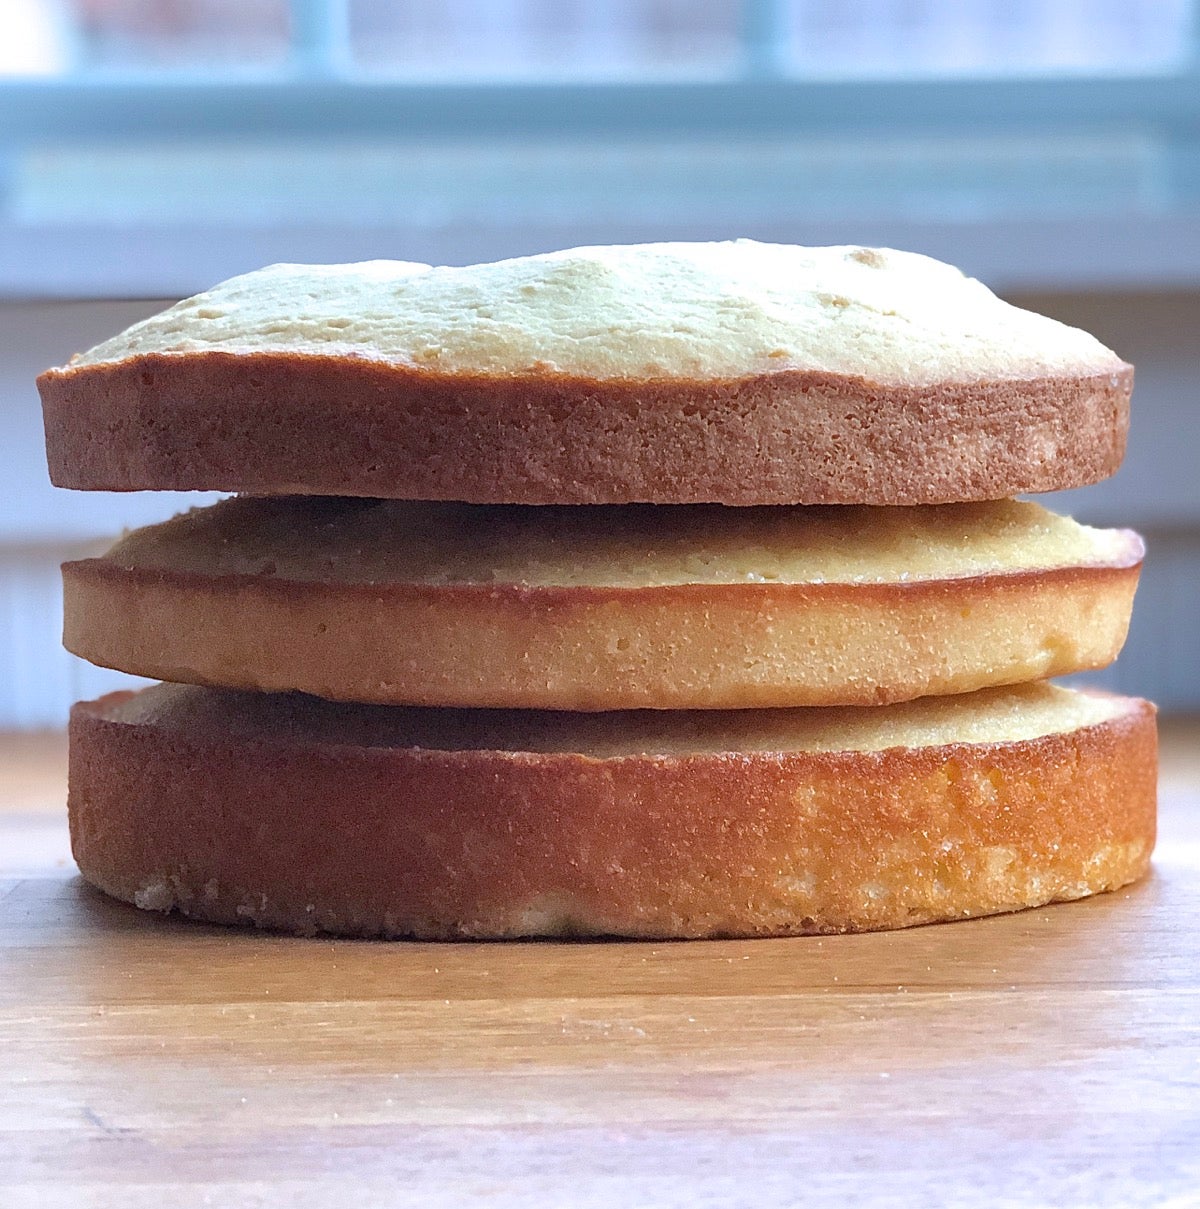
[667, 590]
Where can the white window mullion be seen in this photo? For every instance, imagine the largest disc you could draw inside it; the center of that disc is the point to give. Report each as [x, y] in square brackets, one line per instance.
[320, 38]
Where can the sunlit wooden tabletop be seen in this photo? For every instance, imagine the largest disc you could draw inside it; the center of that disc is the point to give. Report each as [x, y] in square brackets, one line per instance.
[1050, 1058]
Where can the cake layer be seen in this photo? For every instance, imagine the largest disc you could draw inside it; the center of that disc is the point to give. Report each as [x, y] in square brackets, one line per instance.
[605, 608]
[294, 813]
[737, 373]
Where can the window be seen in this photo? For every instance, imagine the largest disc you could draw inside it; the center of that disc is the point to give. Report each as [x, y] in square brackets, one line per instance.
[506, 40]
[153, 146]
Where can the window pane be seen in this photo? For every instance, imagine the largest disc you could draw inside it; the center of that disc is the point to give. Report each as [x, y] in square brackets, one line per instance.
[546, 39]
[47, 37]
[554, 40]
[955, 38]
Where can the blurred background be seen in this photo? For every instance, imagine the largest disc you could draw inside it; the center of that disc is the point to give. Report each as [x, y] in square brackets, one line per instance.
[149, 148]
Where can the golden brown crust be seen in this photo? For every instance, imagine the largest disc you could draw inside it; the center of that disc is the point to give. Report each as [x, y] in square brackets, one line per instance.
[689, 646]
[287, 831]
[273, 423]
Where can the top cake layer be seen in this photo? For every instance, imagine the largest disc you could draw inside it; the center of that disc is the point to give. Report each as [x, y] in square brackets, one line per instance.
[732, 373]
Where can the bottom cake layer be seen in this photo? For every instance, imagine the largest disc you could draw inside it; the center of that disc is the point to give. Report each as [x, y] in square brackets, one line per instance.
[310, 816]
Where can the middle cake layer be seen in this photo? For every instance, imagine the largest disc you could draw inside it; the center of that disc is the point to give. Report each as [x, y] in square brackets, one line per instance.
[592, 608]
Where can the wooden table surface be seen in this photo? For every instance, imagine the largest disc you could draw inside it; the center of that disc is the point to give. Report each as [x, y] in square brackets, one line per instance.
[1047, 1058]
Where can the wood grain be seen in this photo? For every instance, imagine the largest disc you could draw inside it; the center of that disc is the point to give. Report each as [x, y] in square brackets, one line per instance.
[1047, 1058]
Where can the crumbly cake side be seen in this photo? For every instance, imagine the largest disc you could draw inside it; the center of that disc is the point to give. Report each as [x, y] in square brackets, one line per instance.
[278, 423]
[772, 823]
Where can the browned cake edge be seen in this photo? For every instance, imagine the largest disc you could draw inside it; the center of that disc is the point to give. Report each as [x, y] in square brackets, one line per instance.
[691, 646]
[274, 423]
[253, 827]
